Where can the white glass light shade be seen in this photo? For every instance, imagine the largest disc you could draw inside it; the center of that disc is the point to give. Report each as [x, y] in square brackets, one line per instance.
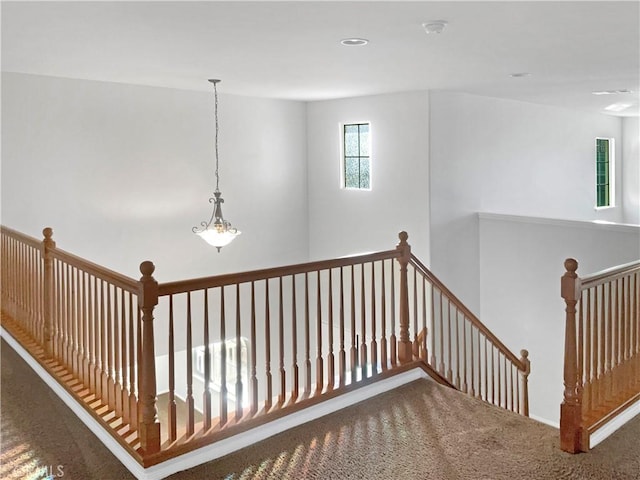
[218, 237]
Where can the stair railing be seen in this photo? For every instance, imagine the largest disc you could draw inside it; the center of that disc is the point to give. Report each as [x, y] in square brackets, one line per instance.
[240, 350]
[602, 350]
[454, 342]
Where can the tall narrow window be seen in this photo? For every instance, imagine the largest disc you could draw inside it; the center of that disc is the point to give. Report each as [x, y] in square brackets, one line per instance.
[604, 172]
[356, 156]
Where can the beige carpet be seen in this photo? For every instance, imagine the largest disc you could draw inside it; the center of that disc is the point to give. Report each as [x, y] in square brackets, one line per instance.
[420, 431]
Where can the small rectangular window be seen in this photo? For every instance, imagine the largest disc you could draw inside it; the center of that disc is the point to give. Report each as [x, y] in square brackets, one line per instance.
[604, 173]
[356, 156]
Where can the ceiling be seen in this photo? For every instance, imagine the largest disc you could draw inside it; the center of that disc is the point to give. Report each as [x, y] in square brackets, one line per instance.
[292, 50]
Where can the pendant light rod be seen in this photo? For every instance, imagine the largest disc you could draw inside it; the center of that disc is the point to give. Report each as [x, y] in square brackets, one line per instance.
[217, 232]
[215, 83]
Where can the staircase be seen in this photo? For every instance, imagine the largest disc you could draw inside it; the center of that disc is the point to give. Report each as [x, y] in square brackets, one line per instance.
[243, 350]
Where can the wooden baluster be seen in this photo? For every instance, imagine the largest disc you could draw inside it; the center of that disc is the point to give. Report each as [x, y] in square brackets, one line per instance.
[465, 387]
[206, 393]
[331, 374]
[615, 362]
[629, 332]
[603, 342]
[149, 430]
[526, 370]
[268, 402]
[433, 361]
[384, 360]
[393, 341]
[139, 371]
[486, 371]
[441, 304]
[133, 400]
[122, 365]
[571, 430]
[95, 339]
[104, 366]
[283, 377]
[87, 320]
[294, 342]
[97, 342]
[239, 386]
[586, 393]
[342, 356]
[354, 350]
[67, 319]
[116, 352]
[457, 325]
[364, 359]
[425, 329]
[307, 340]
[254, 340]
[173, 426]
[472, 372]
[60, 321]
[189, 400]
[75, 296]
[223, 362]
[110, 343]
[416, 347]
[404, 344]
[319, 359]
[493, 375]
[609, 359]
[374, 343]
[449, 335]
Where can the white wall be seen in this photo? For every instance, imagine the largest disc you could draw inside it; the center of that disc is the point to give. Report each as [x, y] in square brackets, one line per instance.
[631, 170]
[521, 262]
[504, 156]
[344, 221]
[122, 173]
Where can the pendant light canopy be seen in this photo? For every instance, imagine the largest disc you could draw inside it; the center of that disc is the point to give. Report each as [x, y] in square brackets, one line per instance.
[217, 232]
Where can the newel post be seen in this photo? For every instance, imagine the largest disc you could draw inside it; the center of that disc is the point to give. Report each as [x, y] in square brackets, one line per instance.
[405, 347]
[149, 427]
[47, 245]
[526, 363]
[571, 434]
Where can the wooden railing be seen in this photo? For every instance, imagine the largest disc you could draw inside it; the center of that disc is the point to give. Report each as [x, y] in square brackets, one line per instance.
[171, 367]
[461, 348]
[602, 350]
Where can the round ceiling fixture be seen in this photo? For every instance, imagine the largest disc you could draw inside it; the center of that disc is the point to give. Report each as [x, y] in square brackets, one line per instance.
[354, 42]
[434, 26]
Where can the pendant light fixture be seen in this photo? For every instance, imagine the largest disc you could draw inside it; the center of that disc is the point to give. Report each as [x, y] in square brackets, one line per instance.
[217, 232]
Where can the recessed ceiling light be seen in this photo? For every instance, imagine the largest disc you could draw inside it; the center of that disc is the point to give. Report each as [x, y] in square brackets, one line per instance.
[354, 42]
[434, 26]
[612, 92]
[520, 75]
[617, 107]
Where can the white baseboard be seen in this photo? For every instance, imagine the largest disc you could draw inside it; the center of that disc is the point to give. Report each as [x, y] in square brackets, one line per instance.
[546, 421]
[602, 433]
[222, 447]
[85, 417]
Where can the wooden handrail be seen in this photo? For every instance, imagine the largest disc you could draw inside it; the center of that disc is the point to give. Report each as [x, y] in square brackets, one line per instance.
[122, 281]
[473, 318]
[609, 274]
[26, 239]
[183, 286]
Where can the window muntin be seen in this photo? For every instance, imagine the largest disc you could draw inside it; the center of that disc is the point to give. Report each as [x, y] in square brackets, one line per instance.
[604, 173]
[356, 156]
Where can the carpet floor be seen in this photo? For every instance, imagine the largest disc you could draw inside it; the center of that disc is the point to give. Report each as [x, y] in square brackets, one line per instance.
[419, 431]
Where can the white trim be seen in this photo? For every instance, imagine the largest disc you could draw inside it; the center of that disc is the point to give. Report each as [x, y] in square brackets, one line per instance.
[91, 423]
[562, 222]
[244, 439]
[618, 422]
[546, 421]
[222, 447]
